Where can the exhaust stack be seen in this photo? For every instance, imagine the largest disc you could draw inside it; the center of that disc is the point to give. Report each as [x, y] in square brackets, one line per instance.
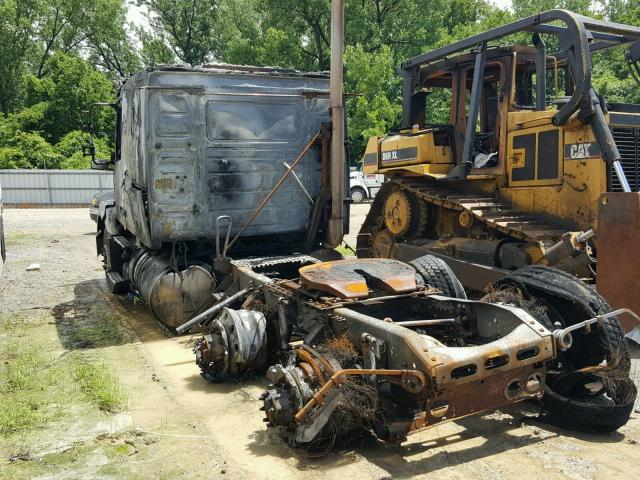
[335, 231]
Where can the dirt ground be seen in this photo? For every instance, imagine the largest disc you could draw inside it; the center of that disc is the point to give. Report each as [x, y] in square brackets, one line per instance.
[176, 425]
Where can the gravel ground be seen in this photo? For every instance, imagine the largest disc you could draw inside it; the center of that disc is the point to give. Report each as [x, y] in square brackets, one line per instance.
[207, 431]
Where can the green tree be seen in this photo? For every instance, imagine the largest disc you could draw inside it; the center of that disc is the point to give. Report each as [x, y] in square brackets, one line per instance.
[70, 149]
[306, 25]
[155, 50]
[70, 86]
[109, 39]
[189, 26]
[29, 150]
[18, 20]
[525, 8]
[408, 27]
[376, 106]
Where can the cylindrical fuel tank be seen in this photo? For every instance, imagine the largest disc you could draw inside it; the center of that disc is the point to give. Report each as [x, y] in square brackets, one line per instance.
[172, 297]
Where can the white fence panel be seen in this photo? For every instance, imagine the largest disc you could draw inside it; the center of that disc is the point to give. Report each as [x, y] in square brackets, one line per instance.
[52, 188]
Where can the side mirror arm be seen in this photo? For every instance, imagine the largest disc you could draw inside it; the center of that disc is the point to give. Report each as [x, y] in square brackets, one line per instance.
[90, 150]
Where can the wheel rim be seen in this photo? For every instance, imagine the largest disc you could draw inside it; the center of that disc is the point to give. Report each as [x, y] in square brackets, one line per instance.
[357, 196]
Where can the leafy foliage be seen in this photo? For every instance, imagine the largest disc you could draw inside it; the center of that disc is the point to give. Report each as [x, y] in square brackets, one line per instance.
[59, 56]
[70, 148]
[189, 25]
[71, 85]
[28, 150]
[376, 107]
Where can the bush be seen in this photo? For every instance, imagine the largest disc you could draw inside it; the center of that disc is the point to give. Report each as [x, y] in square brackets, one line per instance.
[29, 150]
[70, 148]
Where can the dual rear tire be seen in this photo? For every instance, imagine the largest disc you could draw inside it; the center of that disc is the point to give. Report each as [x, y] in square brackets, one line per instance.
[579, 395]
[588, 386]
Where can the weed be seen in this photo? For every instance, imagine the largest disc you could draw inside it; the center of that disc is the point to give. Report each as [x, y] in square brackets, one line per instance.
[39, 381]
[86, 328]
[102, 386]
[33, 382]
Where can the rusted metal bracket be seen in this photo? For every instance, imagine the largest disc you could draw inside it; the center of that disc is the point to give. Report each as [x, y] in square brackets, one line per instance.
[414, 379]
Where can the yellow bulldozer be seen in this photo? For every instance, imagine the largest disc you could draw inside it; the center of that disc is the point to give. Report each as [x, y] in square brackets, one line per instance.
[532, 166]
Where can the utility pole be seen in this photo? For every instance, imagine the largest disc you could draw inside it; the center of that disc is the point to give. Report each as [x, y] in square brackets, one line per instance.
[335, 233]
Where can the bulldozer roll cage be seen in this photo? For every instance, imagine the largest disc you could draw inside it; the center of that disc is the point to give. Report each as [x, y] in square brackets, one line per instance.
[578, 39]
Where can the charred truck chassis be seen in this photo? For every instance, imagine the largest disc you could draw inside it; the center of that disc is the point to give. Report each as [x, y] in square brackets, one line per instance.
[372, 343]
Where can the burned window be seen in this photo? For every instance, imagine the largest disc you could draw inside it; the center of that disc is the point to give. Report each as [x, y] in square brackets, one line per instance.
[251, 120]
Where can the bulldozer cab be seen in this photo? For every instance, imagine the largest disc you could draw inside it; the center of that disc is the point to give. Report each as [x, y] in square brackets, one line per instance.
[496, 91]
[508, 85]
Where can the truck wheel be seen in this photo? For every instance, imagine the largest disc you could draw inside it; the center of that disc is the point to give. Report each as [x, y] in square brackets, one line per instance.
[579, 400]
[357, 195]
[568, 301]
[436, 273]
[588, 402]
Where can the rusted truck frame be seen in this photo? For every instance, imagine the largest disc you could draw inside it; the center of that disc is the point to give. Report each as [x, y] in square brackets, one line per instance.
[378, 331]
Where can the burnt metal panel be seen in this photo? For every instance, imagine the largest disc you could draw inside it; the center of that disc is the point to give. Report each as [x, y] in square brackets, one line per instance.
[200, 143]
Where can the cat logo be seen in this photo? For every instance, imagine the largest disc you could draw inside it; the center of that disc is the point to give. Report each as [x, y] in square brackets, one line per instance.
[581, 151]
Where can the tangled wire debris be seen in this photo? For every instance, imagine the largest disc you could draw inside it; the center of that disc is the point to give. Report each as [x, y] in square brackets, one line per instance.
[358, 402]
[513, 296]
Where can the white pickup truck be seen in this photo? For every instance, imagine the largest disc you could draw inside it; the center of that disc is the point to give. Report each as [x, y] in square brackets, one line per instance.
[363, 186]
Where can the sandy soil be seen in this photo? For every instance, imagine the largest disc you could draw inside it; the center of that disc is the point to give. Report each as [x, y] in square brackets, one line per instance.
[211, 431]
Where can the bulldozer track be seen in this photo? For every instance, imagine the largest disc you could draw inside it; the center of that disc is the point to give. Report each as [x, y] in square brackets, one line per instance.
[494, 214]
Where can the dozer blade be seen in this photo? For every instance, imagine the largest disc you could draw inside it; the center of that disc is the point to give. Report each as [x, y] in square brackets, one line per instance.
[618, 236]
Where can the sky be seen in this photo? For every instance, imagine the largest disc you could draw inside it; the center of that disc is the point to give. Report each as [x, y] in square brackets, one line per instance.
[137, 16]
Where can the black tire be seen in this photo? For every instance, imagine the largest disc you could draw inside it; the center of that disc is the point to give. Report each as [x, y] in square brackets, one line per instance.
[436, 273]
[575, 409]
[357, 195]
[568, 402]
[569, 301]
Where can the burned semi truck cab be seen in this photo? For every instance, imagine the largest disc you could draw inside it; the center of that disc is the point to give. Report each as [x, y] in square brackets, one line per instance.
[198, 151]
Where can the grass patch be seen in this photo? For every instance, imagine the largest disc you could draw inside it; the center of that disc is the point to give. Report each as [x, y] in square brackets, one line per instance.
[99, 384]
[99, 331]
[344, 251]
[14, 238]
[40, 381]
[89, 328]
[33, 382]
